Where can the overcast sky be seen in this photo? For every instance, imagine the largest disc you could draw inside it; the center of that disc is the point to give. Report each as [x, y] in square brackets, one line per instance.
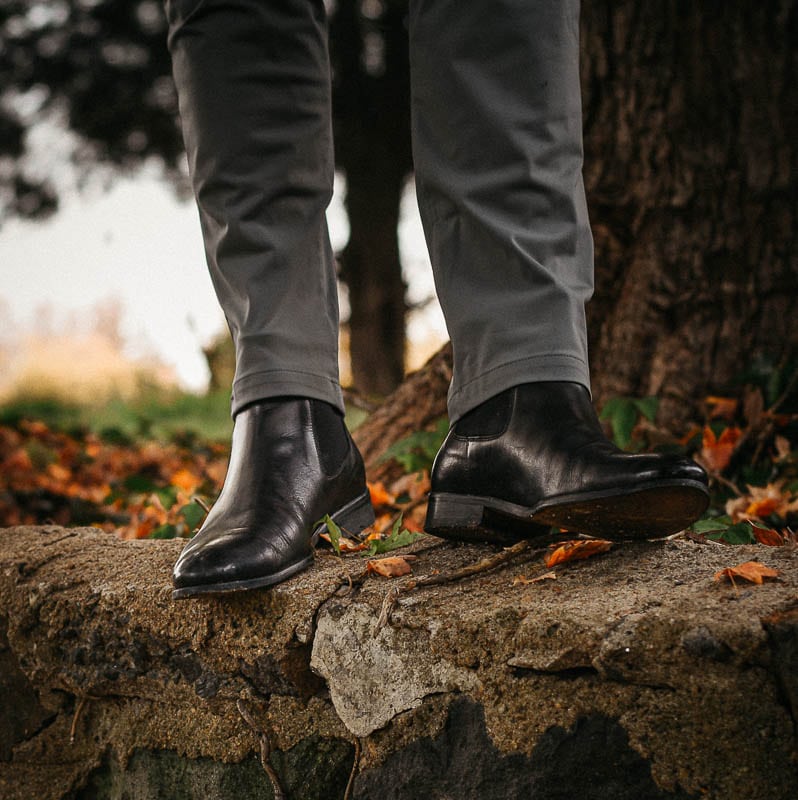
[138, 244]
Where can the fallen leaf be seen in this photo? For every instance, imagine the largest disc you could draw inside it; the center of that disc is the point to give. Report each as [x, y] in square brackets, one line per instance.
[185, 479]
[522, 580]
[380, 496]
[751, 571]
[762, 501]
[768, 536]
[576, 549]
[716, 452]
[391, 567]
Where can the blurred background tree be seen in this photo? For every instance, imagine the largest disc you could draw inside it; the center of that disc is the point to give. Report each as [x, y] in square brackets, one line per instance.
[691, 168]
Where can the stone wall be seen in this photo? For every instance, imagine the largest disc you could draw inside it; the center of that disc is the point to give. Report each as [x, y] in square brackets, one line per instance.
[630, 675]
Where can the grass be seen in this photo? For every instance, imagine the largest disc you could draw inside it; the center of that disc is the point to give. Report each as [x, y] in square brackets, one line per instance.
[160, 414]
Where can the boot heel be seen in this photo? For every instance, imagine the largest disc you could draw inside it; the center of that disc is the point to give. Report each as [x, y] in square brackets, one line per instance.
[355, 516]
[451, 511]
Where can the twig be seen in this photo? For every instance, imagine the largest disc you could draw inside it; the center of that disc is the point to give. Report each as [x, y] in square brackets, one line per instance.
[202, 504]
[487, 564]
[76, 716]
[265, 749]
[727, 483]
[353, 773]
[388, 605]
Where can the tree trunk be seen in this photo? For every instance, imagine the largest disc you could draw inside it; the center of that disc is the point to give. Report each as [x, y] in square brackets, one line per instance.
[371, 105]
[415, 406]
[371, 270]
[691, 168]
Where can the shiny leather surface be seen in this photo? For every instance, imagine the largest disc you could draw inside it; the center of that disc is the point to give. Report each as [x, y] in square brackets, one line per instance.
[550, 446]
[275, 491]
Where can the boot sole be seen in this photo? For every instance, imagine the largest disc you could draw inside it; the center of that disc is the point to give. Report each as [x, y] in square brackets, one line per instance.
[652, 510]
[352, 517]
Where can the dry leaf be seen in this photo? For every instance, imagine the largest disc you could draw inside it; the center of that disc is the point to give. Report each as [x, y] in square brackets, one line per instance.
[522, 580]
[380, 496]
[576, 549]
[391, 567]
[716, 452]
[751, 571]
[186, 480]
[761, 502]
[768, 536]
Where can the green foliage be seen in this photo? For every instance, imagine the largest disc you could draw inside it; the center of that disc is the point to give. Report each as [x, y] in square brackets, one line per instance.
[334, 532]
[193, 514]
[157, 413]
[417, 451]
[398, 537]
[722, 529]
[623, 413]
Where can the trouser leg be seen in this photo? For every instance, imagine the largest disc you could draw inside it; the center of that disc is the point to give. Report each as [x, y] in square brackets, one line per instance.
[253, 84]
[498, 155]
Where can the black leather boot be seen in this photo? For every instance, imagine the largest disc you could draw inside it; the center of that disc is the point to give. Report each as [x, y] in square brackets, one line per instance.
[292, 462]
[535, 456]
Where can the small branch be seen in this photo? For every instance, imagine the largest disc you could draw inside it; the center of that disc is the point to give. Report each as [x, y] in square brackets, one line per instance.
[76, 716]
[202, 504]
[727, 483]
[485, 565]
[388, 605]
[353, 774]
[265, 749]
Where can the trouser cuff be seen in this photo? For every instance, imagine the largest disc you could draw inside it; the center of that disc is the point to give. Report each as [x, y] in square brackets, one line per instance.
[465, 397]
[282, 383]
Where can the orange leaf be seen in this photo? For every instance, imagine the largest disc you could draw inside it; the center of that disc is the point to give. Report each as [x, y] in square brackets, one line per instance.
[764, 507]
[716, 452]
[722, 407]
[185, 479]
[380, 496]
[576, 549]
[59, 472]
[391, 567]
[768, 536]
[751, 571]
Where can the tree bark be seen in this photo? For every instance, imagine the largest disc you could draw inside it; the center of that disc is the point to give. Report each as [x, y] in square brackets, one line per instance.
[416, 405]
[371, 104]
[691, 167]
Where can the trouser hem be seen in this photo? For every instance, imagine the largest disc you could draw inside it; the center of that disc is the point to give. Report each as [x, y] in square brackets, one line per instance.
[281, 383]
[532, 369]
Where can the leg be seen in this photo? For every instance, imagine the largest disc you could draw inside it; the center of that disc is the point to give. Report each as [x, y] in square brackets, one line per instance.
[254, 88]
[498, 151]
[497, 141]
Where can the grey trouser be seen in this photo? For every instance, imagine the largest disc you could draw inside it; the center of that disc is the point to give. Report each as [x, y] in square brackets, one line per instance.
[497, 142]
